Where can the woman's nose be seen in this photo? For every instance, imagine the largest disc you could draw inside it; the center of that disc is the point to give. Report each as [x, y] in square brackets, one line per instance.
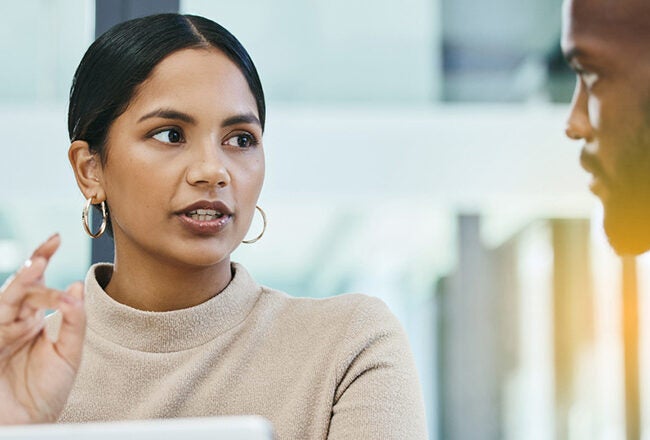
[208, 167]
[578, 125]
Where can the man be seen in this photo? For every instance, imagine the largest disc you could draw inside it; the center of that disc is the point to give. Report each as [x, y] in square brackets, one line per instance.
[607, 43]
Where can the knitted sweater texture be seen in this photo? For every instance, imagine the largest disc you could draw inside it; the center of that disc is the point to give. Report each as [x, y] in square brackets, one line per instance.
[335, 368]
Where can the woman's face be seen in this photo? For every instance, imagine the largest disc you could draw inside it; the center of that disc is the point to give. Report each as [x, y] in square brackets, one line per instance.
[185, 163]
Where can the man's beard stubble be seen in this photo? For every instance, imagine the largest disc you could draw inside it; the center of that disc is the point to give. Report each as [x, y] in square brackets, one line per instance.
[627, 209]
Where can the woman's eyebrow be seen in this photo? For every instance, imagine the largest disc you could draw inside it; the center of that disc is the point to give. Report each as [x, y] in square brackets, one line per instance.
[246, 118]
[167, 113]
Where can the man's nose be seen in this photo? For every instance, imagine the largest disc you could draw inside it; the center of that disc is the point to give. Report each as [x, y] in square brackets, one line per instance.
[578, 125]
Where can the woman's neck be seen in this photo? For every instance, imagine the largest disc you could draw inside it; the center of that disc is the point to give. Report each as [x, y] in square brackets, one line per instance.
[154, 285]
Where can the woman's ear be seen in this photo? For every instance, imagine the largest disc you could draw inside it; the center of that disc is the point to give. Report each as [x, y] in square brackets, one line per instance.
[87, 170]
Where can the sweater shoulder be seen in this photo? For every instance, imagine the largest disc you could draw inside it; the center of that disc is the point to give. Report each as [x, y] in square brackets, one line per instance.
[346, 318]
[342, 307]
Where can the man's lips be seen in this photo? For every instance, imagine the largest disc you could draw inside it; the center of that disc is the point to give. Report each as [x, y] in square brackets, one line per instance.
[600, 185]
[592, 165]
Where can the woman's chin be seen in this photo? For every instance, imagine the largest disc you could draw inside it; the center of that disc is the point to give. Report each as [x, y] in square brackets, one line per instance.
[205, 260]
[197, 255]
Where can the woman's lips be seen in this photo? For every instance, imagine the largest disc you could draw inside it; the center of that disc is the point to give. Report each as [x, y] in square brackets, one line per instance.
[198, 224]
[205, 217]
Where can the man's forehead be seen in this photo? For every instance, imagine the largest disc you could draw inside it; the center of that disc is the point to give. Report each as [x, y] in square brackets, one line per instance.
[609, 15]
[608, 21]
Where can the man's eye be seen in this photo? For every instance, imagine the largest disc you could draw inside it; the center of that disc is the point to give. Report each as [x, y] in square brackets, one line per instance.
[243, 140]
[588, 78]
[169, 136]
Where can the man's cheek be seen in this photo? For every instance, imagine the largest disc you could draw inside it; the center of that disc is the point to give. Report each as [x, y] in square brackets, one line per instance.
[594, 110]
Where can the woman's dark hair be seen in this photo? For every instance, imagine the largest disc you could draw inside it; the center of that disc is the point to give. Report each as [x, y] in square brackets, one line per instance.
[123, 57]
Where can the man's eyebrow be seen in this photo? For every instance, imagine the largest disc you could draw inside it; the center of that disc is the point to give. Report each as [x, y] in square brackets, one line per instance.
[167, 113]
[245, 118]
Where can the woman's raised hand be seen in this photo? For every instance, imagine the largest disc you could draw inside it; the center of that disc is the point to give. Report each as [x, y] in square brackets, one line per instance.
[36, 373]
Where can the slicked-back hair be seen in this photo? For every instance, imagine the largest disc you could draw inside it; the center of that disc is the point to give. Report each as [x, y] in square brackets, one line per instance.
[122, 58]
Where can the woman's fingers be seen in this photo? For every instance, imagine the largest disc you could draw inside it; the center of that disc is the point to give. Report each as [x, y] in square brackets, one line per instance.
[24, 297]
[13, 293]
[46, 250]
[39, 298]
[43, 251]
[73, 325]
[48, 247]
[15, 289]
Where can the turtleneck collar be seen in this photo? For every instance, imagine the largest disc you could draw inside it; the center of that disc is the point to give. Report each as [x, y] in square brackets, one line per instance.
[175, 330]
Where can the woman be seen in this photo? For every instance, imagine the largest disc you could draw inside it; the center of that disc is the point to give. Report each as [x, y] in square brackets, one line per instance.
[166, 120]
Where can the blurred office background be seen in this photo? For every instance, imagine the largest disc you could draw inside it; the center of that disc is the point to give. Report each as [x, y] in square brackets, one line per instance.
[416, 153]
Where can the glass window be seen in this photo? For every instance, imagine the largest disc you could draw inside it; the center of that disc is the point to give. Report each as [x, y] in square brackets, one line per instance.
[41, 42]
[336, 51]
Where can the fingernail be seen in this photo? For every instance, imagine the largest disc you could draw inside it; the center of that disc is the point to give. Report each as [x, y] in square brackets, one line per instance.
[28, 263]
[68, 299]
[56, 234]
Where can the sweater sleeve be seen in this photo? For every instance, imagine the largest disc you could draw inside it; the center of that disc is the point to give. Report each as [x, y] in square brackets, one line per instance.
[378, 394]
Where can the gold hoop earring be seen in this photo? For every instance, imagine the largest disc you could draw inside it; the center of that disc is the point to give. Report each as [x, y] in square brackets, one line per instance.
[263, 228]
[85, 219]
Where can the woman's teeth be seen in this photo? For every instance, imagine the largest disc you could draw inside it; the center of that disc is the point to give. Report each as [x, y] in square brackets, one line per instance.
[204, 215]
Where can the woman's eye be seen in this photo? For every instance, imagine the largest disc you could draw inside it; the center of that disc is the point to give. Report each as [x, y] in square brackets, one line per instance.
[243, 140]
[169, 136]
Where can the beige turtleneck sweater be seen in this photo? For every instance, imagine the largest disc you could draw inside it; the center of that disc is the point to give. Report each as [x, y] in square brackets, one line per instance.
[335, 368]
